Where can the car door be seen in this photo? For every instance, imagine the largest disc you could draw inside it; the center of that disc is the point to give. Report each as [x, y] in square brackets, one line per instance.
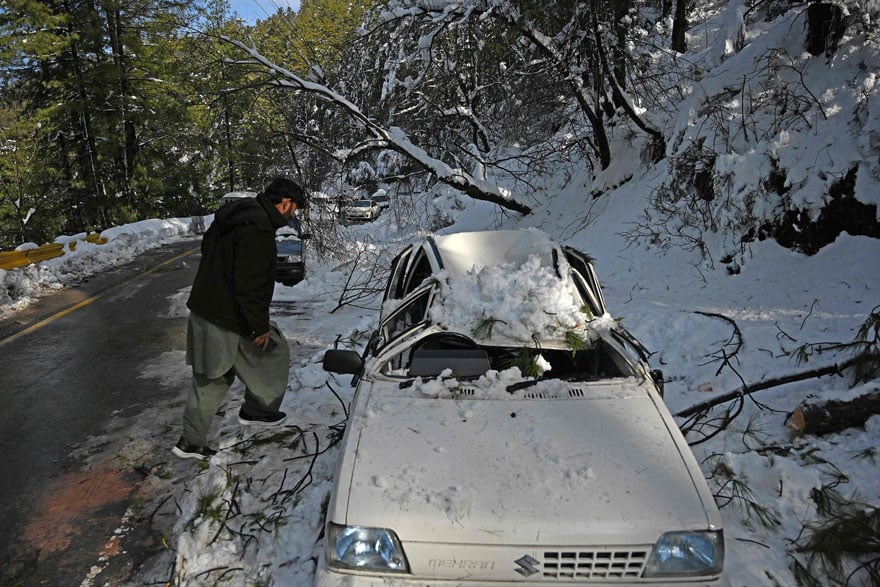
[588, 282]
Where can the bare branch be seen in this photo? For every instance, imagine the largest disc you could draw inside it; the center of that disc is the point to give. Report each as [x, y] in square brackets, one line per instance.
[392, 138]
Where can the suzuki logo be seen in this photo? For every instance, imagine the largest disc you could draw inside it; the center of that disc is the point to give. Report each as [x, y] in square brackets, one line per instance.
[527, 566]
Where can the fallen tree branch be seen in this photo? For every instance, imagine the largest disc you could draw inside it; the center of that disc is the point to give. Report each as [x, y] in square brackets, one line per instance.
[736, 339]
[392, 138]
[836, 369]
[820, 418]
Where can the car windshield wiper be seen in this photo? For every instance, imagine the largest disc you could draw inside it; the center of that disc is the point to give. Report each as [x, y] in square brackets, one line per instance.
[582, 376]
[514, 387]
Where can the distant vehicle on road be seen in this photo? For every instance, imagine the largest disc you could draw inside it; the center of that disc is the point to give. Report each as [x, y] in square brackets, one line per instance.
[232, 196]
[289, 248]
[291, 257]
[381, 198]
[361, 210]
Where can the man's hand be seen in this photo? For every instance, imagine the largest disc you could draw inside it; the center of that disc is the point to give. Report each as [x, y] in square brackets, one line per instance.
[262, 341]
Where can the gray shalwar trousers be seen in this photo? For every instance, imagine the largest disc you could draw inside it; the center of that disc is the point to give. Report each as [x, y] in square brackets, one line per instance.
[217, 356]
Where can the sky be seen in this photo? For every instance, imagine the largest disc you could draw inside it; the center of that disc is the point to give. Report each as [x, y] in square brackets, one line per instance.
[253, 10]
[681, 307]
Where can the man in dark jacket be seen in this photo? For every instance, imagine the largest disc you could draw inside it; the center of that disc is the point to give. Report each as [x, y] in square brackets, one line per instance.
[229, 332]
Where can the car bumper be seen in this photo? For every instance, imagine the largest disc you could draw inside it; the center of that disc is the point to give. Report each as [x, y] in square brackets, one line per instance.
[327, 578]
[324, 578]
[287, 272]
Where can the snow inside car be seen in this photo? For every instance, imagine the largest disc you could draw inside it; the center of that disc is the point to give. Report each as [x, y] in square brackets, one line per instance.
[505, 430]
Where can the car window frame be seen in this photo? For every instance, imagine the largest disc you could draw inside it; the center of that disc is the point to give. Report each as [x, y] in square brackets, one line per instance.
[582, 267]
[429, 290]
[428, 251]
[397, 275]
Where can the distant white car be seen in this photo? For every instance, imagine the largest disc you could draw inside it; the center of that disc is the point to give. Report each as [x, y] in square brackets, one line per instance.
[361, 210]
[505, 430]
[382, 199]
[232, 196]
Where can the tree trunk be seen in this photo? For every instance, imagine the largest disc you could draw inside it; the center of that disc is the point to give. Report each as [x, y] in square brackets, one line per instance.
[126, 154]
[820, 418]
[824, 27]
[620, 98]
[621, 11]
[679, 26]
[90, 162]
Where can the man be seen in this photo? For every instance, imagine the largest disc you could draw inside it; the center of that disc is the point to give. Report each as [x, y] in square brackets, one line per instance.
[229, 333]
[197, 211]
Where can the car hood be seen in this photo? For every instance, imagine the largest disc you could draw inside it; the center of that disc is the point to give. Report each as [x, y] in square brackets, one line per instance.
[599, 466]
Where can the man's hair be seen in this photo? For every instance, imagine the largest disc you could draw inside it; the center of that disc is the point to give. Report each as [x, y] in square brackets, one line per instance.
[281, 188]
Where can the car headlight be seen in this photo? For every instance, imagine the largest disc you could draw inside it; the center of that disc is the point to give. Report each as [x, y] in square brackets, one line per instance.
[684, 554]
[365, 549]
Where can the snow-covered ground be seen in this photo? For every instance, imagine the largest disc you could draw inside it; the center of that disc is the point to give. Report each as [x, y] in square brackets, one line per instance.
[781, 300]
[253, 514]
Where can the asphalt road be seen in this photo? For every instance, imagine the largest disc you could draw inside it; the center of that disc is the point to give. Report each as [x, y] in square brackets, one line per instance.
[71, 383]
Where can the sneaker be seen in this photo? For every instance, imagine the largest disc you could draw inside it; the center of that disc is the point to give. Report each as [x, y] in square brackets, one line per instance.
[266, 419]
[186, 450]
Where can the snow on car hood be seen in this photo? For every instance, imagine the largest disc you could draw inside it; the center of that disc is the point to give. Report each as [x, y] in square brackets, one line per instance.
[601, 468]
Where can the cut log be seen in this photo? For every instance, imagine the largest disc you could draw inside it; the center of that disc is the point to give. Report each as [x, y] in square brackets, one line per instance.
[819, 418]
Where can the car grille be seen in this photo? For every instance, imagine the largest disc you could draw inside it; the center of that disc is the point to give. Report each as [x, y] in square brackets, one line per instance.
[607, 565]
[574, 392]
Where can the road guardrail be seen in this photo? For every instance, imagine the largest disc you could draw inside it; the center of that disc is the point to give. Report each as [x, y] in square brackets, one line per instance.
[15, 259]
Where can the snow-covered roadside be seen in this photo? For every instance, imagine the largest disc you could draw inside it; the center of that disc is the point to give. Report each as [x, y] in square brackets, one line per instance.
[277, 482]
[22, 286]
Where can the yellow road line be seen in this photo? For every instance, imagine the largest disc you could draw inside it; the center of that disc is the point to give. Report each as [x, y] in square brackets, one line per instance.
[88, 301]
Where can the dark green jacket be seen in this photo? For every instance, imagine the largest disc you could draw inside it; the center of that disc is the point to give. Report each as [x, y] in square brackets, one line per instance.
[236, 276]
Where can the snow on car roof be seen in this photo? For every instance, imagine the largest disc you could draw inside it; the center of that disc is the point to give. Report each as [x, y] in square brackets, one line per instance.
[502, 286]
[237, 195]
[464, 250]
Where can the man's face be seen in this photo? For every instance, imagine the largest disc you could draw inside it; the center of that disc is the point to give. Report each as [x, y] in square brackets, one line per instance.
[287, 207]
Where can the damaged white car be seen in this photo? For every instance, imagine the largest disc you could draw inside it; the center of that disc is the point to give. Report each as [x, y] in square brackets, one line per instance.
[505, 430]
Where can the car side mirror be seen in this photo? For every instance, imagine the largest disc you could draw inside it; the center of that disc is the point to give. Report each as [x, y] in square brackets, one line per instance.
[346, 362]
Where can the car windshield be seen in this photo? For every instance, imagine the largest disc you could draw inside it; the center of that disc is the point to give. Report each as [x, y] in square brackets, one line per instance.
[446, 354]
[289, 247]
[362, 204]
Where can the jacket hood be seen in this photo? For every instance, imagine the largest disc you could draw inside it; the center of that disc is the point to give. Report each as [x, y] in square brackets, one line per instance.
[259, 211]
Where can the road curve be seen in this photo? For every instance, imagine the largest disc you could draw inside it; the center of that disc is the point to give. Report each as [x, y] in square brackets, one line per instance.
[71, 372]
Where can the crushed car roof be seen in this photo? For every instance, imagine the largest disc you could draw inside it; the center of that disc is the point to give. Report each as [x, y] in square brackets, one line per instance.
[464, 250]
[510, 285]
